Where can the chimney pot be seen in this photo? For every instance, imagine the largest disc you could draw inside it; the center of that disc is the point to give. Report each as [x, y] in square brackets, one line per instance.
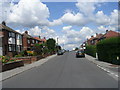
[3, 23]
[106, 30]
[26, 32]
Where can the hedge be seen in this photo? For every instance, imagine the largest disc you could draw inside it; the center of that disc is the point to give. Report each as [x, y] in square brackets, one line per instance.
[109, 50]
[91, 50]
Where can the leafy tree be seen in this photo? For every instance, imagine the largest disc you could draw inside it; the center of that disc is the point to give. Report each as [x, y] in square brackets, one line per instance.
[38, 49]
[76, 48]
[51, 44]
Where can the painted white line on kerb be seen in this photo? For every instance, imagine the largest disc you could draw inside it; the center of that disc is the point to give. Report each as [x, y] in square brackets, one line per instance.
[116, 75]
[108, 71]
[111, 73]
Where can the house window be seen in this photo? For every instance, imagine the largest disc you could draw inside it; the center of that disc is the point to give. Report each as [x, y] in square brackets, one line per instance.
[33, 41]
[28, 41]
[11, 39]
[93, 42]
[12, 47]
[11, 34]
[18, 48]
[36, 41]
[19, 39]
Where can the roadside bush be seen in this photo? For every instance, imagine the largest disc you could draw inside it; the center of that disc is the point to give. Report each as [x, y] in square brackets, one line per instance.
[6, 59]
[38, 49]
[91, 50]
[109, 50]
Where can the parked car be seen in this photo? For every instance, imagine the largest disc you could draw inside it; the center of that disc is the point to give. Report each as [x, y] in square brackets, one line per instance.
[80, 54]
[60, 52]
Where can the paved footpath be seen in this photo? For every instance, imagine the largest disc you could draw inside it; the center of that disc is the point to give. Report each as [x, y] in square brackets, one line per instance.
[113, 70]
[13, 72]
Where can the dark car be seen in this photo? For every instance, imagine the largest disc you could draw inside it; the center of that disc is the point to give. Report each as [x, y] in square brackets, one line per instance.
[80, 54]
[60, 52]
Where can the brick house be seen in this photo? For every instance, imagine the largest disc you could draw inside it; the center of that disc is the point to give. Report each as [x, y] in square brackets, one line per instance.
[94, 40]
[42, 40]
[10, 41]
[29, 41]
[110, 34]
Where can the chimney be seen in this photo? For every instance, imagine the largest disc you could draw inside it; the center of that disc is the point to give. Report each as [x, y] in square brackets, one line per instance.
[44, 37]
[106, 31]
[96, 34]
[92, 36]
[39, 37]
[3, 23]
[26, 32]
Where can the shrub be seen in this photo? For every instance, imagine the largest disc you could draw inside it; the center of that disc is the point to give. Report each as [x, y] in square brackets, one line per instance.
[19, 55]
[38, 49]
[109, 50]
[6, 59]
[91, 50]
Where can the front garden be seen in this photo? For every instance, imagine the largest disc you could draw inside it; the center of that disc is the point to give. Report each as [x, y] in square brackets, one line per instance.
[37, 52]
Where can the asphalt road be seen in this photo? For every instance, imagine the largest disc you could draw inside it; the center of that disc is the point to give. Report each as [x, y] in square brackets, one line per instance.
[65, 71]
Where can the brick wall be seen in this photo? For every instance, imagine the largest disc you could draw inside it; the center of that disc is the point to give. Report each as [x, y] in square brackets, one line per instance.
[29, 59]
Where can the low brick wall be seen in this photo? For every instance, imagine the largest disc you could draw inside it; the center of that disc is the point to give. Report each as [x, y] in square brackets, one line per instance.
[12, 65]
[29, 59]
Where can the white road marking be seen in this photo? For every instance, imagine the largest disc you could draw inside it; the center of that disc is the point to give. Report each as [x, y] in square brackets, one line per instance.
[107, 71]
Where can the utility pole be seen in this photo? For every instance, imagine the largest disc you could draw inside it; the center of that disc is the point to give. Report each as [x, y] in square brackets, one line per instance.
[57, 40]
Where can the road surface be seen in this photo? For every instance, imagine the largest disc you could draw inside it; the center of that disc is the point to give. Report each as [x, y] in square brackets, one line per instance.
[64, 71]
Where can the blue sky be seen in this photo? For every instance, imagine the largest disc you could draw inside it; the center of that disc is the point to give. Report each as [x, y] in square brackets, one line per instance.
[57, 9]
[71, 22]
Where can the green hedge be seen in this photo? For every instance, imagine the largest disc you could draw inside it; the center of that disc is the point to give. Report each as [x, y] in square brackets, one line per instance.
[91, 50]
[109, 49]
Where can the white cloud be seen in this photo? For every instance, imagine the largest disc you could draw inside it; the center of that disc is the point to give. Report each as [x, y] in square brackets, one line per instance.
[67, 27]
[28, 13]
[101, 18]
[86, 8]
[56, 22]
[36, 31]
[72, 38]
[43, 32]
[74, 19]
[114, 17]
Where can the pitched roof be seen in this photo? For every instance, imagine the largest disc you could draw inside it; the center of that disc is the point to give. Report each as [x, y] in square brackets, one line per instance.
[98, 36]
[44, 40]
[8, 28]
[26, 35]
[38, 38]
[111, 34]
[91, 38]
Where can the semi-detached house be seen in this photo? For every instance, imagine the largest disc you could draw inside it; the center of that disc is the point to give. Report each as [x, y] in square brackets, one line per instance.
[10, 41]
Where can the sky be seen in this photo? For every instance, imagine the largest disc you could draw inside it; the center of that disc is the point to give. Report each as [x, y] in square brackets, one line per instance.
[71, 22]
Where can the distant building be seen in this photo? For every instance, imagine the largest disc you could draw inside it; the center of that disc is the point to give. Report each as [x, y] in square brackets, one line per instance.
[110, 34]
[41, 40]
[29, 41]
[10, 41]
[94, 40]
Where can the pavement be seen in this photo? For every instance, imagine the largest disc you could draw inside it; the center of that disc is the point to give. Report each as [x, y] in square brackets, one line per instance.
[64, 71]
[8, 74]
[112, 69]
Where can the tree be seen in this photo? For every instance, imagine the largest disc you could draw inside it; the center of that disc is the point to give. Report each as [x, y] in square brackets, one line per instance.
[38, 49]
[51, 44]
[76, 48]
